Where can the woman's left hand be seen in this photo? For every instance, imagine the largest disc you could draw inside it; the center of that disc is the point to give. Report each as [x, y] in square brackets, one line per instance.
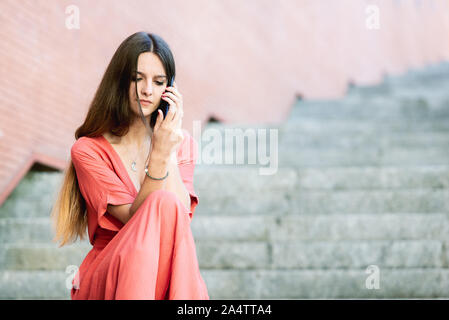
[174, 98]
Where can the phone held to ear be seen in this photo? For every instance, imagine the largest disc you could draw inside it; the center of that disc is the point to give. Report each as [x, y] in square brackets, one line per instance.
[164, 104]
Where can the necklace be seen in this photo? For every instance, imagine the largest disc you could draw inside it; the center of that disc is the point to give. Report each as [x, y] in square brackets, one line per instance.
[134, 162]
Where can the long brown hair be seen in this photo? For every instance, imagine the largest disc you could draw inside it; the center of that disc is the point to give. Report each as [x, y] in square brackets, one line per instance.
[109, 111]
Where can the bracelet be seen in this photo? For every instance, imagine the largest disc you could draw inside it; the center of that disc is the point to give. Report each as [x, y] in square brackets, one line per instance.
[146, 172]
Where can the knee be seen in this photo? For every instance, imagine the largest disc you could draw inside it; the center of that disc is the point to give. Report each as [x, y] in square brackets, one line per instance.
[168, 206]
[165, 199]
[162, 194]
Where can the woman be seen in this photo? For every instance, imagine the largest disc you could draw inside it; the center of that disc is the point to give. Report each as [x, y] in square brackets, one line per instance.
[130, 183]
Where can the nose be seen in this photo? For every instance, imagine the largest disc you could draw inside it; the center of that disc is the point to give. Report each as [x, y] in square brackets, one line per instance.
[146, 88]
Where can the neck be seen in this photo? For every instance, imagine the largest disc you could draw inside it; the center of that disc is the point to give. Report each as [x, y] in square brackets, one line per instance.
[138, 134]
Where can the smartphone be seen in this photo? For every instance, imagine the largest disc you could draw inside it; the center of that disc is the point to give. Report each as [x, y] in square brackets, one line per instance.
[164, 104]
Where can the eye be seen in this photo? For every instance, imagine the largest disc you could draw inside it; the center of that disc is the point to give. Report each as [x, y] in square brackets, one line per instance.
[159, 83]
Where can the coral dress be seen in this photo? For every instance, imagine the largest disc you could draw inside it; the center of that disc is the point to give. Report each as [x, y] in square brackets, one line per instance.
[153, 255]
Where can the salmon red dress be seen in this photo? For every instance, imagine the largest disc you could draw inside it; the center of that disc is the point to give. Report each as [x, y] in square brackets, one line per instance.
[153, 255]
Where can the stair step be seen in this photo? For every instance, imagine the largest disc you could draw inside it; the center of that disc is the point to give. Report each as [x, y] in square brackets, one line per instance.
[369, 201]
[238, 180]
[394, 283]
[387, 226]
[335, 227]
[327, 202]
[326, 284]
[35, 285]
[289, 156]
[345, 227]
[338, 227]
[311, 125]
[363, 147]
[283, 193]
[258, 255]
[400, 107]
[297, 201]
[341, 178]
[349, 140]
[41, 256]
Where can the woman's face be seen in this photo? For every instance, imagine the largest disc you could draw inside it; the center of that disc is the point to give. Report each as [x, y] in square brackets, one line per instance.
[151, 83]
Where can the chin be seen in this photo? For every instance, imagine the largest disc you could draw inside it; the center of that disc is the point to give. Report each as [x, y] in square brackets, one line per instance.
[146, 113]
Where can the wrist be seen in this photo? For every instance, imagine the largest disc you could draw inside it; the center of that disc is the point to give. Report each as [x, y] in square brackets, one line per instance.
[158, 158]
[157, 167]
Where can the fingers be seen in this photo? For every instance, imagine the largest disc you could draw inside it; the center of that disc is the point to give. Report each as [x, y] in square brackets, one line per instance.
[174, 98]
[177, 109]
[173, 93]
[160, 117]
[171, 109]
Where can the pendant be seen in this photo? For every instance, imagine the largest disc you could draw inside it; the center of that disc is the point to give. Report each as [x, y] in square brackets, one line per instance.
[133, 166]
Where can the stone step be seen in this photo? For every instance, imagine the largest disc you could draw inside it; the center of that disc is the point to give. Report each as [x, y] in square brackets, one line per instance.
[282, 201]
[291, 227]
[417, 132]
[394, 283]
[327, 284]
[290, 143]
[412, 82]
[258, 255]
[369, 201]
[433, 96]
[41, 256]
[313, 126]
[349, 140]
[342, 178]
[35, 285]
[235, 181]
[238, 180]
[327, 202]
[290, 156]
[26, 230]
[376, 108]
[346, 227]
[432, 75]
[245, 191]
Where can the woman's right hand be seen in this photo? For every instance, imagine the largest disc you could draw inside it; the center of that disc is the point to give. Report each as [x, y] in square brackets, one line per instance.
[167, 133]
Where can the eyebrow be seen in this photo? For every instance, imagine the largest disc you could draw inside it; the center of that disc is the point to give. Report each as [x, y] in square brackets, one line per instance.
[156, 76]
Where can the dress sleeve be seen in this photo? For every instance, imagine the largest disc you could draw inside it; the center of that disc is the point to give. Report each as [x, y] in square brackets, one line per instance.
[186, 163]
[99, 185]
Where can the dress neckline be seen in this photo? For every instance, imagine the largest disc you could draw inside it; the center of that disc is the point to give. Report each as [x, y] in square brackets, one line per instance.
[119, 160]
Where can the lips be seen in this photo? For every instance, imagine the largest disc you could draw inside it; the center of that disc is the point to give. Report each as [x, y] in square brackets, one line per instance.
[145, 101]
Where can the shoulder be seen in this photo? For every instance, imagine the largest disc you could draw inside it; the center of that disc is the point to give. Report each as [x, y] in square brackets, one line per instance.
[85, 146]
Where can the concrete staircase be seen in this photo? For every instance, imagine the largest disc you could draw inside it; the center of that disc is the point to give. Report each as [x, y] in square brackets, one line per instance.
[362, 185]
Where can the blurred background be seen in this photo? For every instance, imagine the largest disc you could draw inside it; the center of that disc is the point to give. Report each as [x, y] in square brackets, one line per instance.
[356, 91]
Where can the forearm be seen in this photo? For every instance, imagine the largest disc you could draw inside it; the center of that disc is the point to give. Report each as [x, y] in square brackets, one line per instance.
[157, 167]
